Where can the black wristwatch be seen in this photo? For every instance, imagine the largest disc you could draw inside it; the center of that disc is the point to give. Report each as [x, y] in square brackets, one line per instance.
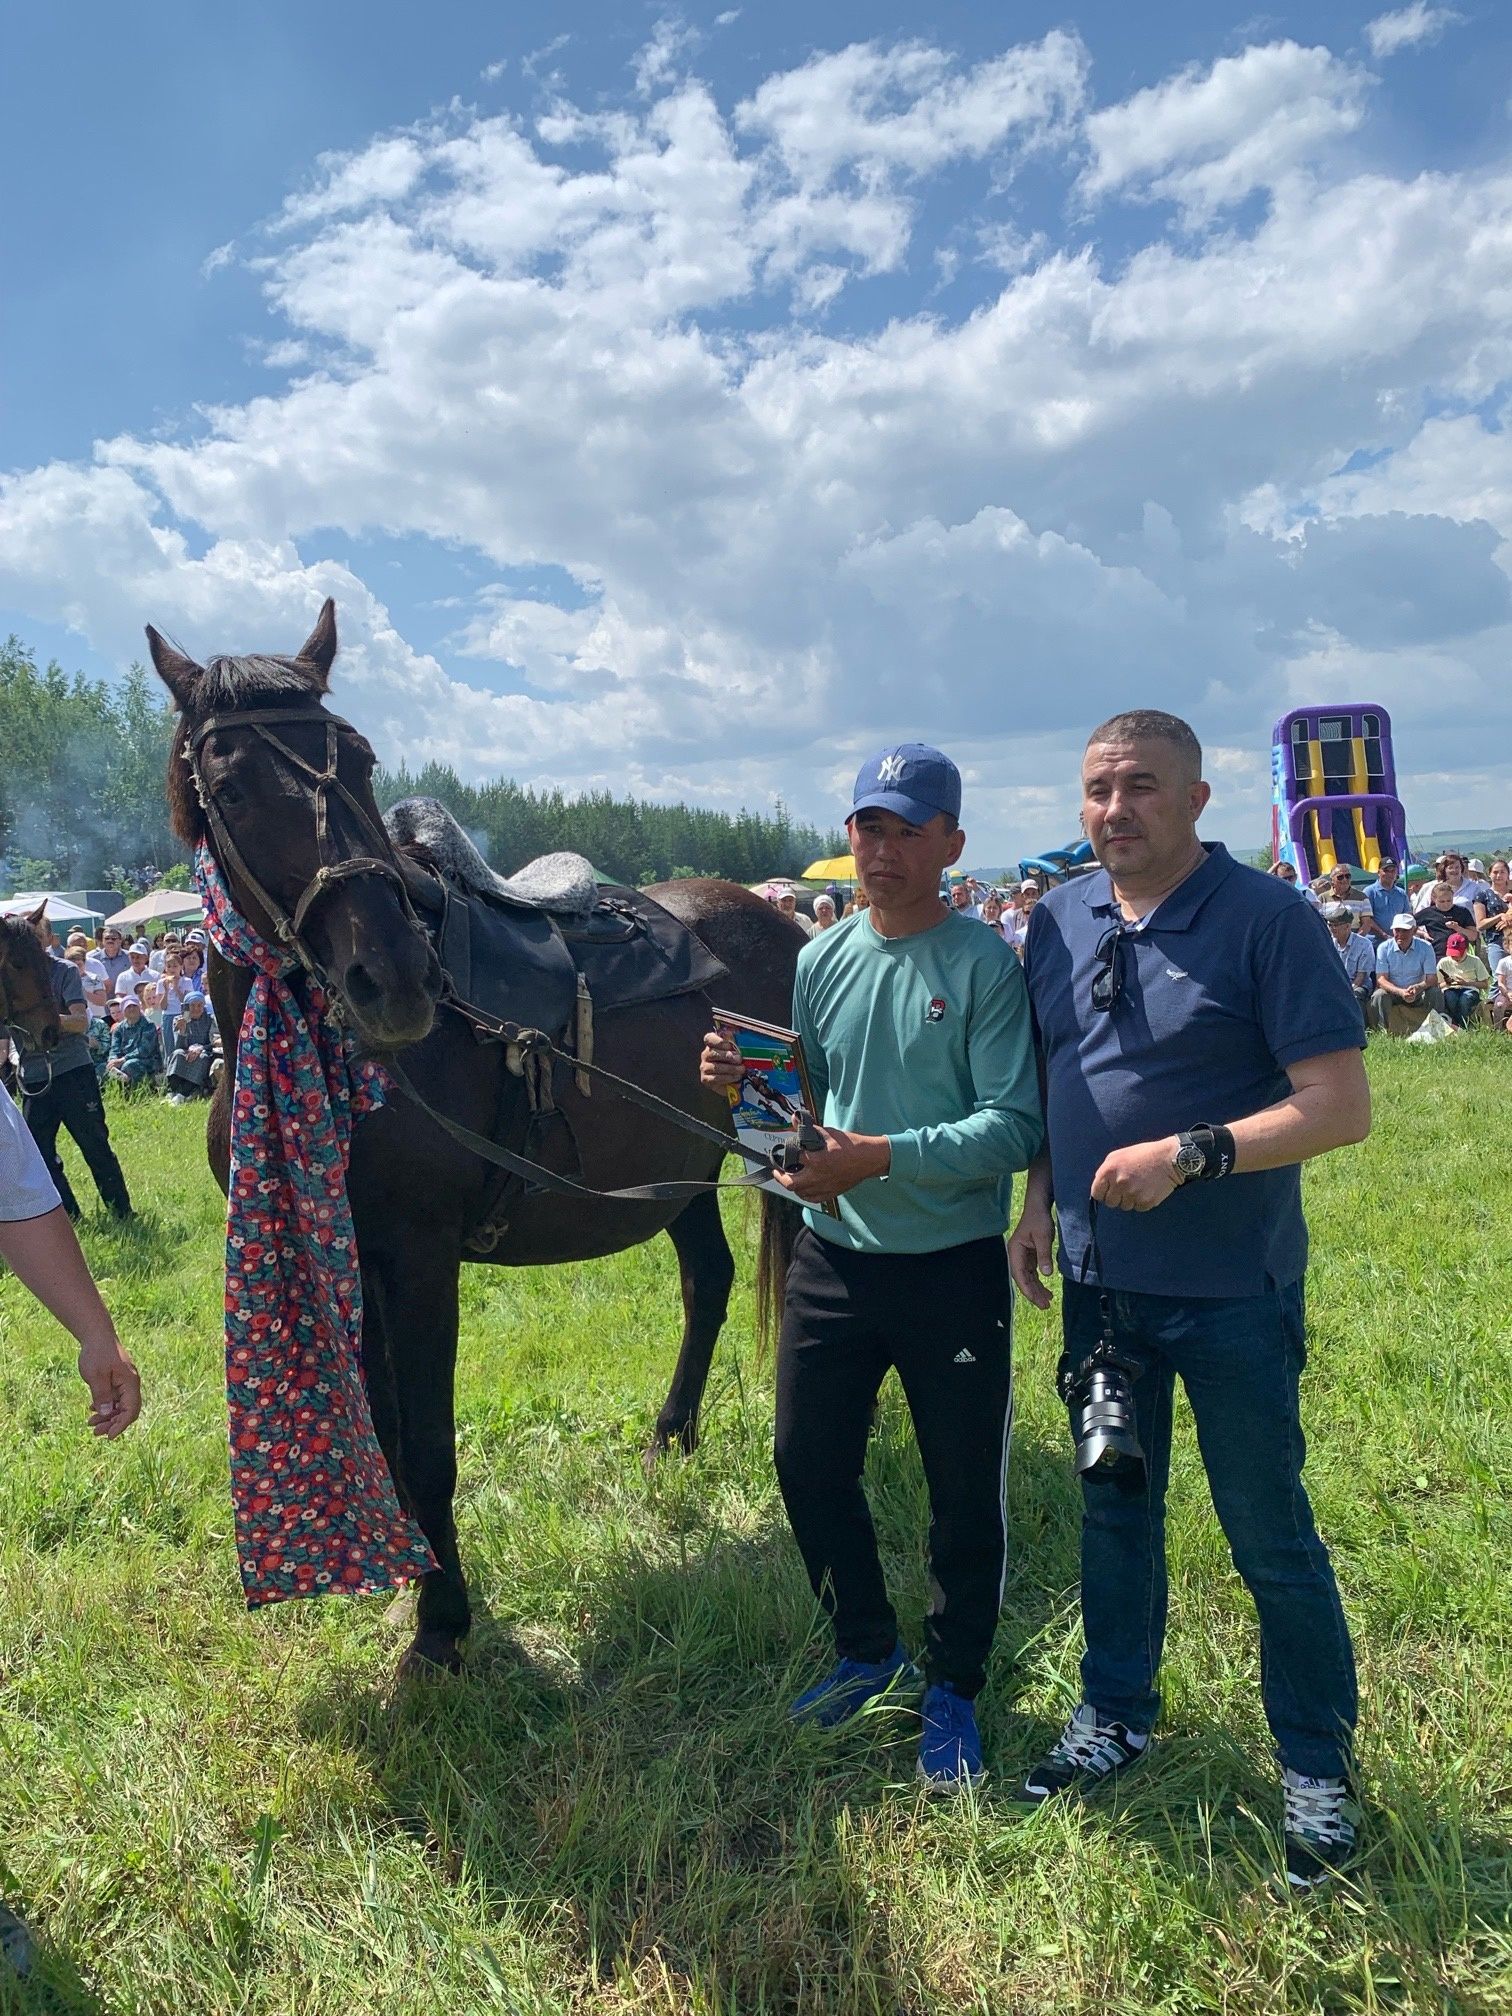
[1203, 1154]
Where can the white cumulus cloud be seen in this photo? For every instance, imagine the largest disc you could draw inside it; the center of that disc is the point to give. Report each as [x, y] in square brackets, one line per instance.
[1408, 26]
[1206, 138]
[635, 346]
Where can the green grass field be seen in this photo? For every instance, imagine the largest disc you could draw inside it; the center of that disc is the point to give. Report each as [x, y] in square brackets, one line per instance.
[207, 1812]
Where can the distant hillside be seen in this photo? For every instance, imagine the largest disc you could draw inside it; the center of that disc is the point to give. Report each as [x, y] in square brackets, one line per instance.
[1497, 841]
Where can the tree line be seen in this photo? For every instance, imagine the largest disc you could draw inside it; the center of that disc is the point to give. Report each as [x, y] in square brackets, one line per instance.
[81, 800]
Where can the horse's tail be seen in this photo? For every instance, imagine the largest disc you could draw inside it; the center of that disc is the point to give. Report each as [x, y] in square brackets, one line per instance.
[779, 1228]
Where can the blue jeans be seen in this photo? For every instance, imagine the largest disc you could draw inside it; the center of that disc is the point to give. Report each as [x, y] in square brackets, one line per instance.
[1460, 1004]
[1240, 1361]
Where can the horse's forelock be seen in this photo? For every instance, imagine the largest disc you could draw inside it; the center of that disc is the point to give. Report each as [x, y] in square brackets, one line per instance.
[232, 682]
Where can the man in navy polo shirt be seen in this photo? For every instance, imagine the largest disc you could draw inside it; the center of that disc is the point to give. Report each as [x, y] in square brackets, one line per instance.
[1199, 1040]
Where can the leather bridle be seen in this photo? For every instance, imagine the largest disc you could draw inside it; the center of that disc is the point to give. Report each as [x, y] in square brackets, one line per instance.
[289, 925]
[22, 1041]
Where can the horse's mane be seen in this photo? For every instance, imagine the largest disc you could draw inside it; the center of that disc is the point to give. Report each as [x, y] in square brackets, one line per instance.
[227, 682]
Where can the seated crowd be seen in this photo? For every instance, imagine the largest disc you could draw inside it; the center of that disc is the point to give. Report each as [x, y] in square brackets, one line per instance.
[1447, 946]
[150, 1020]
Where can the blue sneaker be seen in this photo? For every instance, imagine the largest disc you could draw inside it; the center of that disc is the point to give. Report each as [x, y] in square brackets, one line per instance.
[950, 1749]
[851, 1683]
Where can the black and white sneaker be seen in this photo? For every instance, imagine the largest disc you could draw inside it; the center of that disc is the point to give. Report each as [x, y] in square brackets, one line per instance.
[1087, 1753]
[1322, 1819]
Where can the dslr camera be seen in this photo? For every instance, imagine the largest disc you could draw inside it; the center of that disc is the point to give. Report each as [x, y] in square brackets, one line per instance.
[1099, 1392]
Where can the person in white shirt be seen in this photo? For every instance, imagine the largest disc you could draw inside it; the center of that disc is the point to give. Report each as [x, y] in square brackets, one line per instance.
[134, 973]
[38, 1244]
[1029, 895]
[1501, 997]
[787, 903]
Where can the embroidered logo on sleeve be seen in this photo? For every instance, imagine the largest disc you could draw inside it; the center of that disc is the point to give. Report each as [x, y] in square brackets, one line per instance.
[935, 1012]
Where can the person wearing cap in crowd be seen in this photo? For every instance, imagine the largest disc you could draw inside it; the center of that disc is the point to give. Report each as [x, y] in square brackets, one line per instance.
[127, 984]
[786, 899]
[71, 1099]
[191, 1065]
[1028, 897]
[1406, 978]
[136, 1054]
[1341, 890]
[1464, 978]
[916, 1029]
[1356, 951]
[1384, 899]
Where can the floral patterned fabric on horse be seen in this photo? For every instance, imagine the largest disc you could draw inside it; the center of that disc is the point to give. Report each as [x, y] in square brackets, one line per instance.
[314, 1502]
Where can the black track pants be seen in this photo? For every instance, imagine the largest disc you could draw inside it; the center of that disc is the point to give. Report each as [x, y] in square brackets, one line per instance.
[944, 1320]
[73, 1101]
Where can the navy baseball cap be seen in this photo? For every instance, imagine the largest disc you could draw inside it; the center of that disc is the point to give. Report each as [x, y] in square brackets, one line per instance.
[912, 780]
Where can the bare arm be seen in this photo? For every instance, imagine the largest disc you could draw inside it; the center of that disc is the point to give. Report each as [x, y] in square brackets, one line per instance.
[46, 1258]
[1327, 1107]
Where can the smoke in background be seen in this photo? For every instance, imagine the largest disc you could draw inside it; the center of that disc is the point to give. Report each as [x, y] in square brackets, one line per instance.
[81, 776]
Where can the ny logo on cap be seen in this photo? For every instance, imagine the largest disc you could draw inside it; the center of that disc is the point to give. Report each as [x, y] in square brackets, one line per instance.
[890, 770]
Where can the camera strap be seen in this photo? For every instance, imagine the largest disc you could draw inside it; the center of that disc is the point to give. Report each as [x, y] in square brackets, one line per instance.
[1093, 1258]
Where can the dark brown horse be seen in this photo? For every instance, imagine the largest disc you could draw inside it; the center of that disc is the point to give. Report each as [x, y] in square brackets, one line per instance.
[28, 1008]
[416, 1195]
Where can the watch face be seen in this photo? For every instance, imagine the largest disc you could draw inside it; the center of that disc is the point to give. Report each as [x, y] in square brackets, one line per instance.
[1190, 1159]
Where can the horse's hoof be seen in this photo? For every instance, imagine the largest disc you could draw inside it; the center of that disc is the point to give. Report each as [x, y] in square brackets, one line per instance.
[684, 1440]
[430, 1655]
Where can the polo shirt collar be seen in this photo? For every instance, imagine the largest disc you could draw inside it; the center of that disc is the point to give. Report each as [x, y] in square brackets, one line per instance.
[1177, 911]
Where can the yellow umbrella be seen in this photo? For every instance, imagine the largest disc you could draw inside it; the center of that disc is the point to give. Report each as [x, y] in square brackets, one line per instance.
[839, 868]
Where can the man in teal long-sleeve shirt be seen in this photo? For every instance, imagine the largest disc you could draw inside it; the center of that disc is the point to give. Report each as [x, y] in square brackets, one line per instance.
[915, 1025]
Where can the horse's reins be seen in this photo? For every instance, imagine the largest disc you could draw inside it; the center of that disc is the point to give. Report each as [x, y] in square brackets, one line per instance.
[289, 927]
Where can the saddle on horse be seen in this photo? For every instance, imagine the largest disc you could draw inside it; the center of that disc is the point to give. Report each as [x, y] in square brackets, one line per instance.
[528, 951]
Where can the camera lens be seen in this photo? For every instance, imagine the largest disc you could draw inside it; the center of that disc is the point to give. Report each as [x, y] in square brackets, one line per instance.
[1103, 1424]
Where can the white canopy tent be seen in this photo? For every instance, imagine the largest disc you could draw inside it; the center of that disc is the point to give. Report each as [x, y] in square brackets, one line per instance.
[163, 906]
[60, 909]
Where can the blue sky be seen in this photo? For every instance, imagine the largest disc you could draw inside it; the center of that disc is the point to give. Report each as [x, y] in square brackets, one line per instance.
[687, 400]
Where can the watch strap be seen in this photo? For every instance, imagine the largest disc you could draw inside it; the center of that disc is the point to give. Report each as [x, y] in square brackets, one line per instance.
[1217, 1145]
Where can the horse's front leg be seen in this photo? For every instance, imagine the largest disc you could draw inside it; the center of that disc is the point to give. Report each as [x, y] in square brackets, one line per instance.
[708, 1274]
[417, 1272]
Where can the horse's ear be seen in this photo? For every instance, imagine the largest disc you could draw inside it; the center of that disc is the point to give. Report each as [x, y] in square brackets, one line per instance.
[318, 651]
[179, 674]
[39, 915]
